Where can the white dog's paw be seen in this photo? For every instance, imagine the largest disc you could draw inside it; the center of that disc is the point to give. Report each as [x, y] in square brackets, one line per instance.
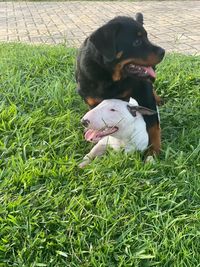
[150, 159]
[85, 162]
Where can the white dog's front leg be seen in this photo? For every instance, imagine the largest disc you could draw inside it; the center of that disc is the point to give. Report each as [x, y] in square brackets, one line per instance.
[97, 151]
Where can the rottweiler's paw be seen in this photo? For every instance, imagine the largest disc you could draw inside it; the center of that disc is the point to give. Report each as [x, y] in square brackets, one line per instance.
[161, 101]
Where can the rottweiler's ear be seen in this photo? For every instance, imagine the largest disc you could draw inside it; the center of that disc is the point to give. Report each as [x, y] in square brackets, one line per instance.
[104, 39]
[139, 18]
[141, 110]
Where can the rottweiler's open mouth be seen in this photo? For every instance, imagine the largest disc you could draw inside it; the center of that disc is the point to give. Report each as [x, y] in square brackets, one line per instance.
[140, 71]
[94, 136]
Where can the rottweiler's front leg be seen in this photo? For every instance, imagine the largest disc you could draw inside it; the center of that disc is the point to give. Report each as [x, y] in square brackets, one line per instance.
[154, 139]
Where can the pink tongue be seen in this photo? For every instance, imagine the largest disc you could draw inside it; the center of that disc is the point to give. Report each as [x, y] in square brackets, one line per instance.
[90, 134]
[150, 71]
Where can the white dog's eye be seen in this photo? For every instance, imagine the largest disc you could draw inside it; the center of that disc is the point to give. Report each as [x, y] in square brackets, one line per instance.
[112, 109]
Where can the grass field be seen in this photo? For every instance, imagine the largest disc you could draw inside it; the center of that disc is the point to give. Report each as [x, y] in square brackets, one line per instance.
[117, 211]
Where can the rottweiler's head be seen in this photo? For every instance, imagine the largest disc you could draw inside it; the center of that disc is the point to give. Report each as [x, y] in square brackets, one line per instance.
[125, 48]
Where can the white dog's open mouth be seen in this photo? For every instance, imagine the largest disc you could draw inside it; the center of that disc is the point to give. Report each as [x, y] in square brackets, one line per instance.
[94, 136]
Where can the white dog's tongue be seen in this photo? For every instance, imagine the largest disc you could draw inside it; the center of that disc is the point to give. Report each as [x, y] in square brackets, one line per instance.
[91, 135]
[150, 71]
[95, 135]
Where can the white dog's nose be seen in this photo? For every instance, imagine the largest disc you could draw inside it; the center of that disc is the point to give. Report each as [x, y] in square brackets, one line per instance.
[85, 122]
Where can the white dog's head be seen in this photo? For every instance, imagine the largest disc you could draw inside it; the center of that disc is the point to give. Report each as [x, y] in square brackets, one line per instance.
[113, 117]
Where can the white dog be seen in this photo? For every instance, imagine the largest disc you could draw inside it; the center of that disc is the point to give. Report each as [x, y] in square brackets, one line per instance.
[117, 124]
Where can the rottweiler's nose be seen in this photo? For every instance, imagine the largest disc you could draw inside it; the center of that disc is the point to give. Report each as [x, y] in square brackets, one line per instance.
[85, 122]
[161, 53]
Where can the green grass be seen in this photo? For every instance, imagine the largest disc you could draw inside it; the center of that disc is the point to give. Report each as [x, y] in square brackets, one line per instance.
[117, 211]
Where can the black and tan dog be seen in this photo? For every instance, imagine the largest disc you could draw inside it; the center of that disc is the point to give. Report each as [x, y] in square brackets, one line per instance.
[118, 61]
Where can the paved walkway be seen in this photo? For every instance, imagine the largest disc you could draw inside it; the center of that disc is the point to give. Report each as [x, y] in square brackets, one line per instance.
[175, 25]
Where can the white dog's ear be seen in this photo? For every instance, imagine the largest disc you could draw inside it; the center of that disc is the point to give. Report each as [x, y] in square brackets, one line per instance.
[142, 110]
[133, 102]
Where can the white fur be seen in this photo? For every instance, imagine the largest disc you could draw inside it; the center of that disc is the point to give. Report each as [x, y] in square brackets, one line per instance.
[131, 135]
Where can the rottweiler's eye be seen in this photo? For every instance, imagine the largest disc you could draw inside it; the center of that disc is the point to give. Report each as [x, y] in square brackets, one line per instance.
[112, 109]
[137, 42]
